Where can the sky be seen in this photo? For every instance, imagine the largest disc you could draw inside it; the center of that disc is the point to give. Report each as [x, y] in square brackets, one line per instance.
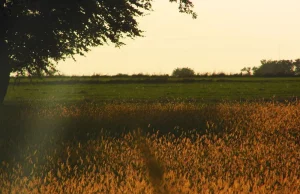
[227, 36]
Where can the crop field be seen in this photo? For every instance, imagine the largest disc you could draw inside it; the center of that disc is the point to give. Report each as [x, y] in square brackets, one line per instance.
[205, 90]
[217, 136]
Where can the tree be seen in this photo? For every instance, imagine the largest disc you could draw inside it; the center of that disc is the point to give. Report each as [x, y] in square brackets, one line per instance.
[36, 34]
[183, 72]
[254, 69]
[247, 70]
[276, 68]
[297, 66]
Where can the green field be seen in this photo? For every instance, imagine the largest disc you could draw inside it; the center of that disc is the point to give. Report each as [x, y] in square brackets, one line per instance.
[206, 90]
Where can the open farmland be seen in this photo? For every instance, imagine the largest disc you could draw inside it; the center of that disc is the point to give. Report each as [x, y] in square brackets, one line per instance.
[93, 138]
[206, 90]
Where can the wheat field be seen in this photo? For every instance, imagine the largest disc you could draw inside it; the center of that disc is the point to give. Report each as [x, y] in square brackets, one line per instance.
[224, 148]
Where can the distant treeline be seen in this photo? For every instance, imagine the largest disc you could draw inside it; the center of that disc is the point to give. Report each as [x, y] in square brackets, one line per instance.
[268, 68]
[140, 75]
[274, 68]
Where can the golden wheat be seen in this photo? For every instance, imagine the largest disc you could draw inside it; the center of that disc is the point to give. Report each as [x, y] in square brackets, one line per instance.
[247, 148]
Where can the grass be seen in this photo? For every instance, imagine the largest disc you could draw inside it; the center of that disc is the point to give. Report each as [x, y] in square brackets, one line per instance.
[145, 78]
[179, 148]
[279, 89]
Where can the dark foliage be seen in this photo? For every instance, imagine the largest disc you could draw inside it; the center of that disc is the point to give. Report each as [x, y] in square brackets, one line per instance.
[35, 34]
[39, 33]
[278, 68]
[183, 72]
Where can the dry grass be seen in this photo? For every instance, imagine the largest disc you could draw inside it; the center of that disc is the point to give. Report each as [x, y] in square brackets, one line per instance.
[246, 148]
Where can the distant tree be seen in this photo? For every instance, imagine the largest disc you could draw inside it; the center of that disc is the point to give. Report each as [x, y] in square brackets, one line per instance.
[218, 74]
[121, 75]
[297, 66]
[247, 70]
[276, 68]
[202, 74]
[221, 74]
[160, 75]
[96, 75]
[36, 34]
[183, 72]
[254, 69]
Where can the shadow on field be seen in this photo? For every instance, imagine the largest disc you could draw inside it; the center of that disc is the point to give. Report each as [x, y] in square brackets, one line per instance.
[47, 126]
[162, 140]
[26, 125]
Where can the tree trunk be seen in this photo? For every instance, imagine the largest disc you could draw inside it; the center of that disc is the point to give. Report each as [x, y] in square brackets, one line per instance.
[5, 68]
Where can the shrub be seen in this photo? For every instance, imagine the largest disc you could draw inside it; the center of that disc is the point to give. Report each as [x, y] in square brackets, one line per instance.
[183, 72]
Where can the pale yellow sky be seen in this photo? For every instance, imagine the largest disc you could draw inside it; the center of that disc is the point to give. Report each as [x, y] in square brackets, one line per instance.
[227, 36]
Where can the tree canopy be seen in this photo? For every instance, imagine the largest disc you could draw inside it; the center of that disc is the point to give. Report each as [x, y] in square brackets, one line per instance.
[278, 68]
[183, 72]
[40, 32]
[35, 34]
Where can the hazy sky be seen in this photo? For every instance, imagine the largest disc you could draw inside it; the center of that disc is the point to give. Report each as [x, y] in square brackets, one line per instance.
[227, 36]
